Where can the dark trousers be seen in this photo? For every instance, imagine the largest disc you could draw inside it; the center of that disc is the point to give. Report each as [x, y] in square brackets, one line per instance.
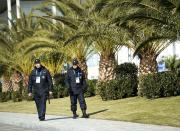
[80, 98]
[40, 101]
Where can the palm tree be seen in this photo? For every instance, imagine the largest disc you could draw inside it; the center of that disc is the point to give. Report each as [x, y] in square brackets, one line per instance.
[64, 29]
[152, 26]
[91, 25]
[148, 43]
[106, 44]
[164, 14]
[164, 20]
[11, 55]
[5, 45]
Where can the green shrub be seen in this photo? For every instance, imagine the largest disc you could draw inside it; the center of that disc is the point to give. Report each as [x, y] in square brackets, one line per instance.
[159, 85]
[3, 69]
[126, 69]
[16, 96]
[60, 91]
[125, 84]
[116, 89]
[5, 96]
[129, 70]
[59, 79]
[91, 88]
[25, 95]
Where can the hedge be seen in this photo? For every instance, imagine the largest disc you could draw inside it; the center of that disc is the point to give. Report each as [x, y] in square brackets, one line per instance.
[91, 90]
[116, 89]
[159, 85]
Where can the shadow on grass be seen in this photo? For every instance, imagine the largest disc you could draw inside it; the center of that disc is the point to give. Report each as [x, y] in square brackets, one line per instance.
[97, 112]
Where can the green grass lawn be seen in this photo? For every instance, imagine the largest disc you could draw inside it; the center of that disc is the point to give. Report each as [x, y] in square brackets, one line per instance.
[164, 111]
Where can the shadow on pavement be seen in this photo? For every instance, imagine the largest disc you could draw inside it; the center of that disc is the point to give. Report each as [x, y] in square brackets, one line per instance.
[93, 113]
[58, 118]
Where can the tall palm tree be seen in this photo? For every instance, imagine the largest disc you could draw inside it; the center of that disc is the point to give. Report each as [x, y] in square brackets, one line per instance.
[106, 43]
[90, 24]
[163, 19]
[81, 49]
[148, 49]
[152, 26]
[11, 55]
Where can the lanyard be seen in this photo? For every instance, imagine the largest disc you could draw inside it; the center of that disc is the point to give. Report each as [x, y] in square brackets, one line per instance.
[75, 73]
[37, 73]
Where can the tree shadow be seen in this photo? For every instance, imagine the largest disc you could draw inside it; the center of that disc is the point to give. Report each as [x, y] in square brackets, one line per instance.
[93, 113]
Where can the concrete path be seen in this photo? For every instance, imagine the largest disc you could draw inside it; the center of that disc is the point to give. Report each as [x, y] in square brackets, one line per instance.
[60, 123]
[7, 127]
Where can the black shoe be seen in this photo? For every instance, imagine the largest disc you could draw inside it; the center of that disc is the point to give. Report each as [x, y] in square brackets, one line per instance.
[75, 116]
[42, 119]
[85, 116]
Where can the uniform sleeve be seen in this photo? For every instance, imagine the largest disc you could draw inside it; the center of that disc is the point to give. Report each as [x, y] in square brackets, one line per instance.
[49, 79]
[30, 83]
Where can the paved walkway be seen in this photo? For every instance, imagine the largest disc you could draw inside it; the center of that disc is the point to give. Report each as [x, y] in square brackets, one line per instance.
[7, 127]
[60, 123]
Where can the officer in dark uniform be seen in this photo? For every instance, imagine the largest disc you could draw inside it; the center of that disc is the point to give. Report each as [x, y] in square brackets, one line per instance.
[77, 85]
[40, 84]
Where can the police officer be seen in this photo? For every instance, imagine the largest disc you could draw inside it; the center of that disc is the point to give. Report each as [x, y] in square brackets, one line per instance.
[40, 84]
[77, 85]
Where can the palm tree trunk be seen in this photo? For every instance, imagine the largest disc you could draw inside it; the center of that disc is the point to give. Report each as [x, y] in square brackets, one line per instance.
[106, 67]
[84, 67]
[25, 80]
[148, 64]
[6, 84]
[16, 79]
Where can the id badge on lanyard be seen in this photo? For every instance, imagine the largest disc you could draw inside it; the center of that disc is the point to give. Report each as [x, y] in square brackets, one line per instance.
[77, 78]
[38, 78]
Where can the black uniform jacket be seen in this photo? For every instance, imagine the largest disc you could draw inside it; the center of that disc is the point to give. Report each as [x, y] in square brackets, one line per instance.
[44, 85]
[71, 83]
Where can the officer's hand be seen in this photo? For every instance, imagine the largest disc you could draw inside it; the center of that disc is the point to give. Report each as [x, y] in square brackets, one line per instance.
[30, 94]
[50, 93]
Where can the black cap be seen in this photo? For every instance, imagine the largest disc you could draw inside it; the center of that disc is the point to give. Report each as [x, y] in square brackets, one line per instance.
[75, 62]
[37, 61]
